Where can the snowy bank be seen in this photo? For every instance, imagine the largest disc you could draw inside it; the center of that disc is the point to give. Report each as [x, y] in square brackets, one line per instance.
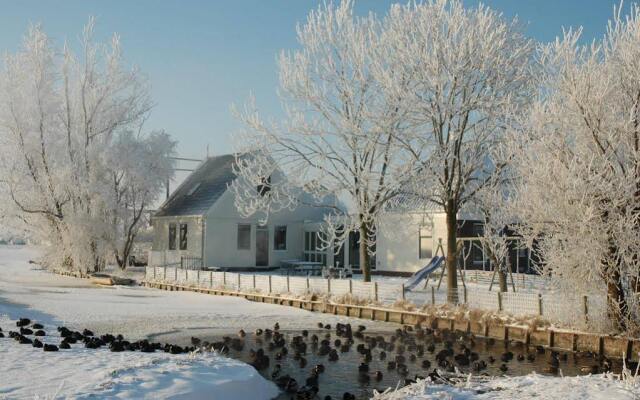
[532, 386]
[29, 373]
[136, 312]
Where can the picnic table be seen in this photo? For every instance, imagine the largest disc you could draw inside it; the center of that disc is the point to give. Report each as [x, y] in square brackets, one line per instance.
[301, 267]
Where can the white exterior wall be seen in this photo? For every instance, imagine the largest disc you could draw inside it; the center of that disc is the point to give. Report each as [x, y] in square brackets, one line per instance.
[397, 247]
[222, 220]
[160, 253]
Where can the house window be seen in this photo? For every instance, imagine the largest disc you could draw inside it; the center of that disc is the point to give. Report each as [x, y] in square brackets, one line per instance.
[183, 236]
[280, 238]
[314, 243]
[244, 237]
[172, 236]
[264, 187]
[478, 229]
[425, 243]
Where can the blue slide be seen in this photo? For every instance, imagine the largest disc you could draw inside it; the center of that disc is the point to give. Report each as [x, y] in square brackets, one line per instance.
[423, 273]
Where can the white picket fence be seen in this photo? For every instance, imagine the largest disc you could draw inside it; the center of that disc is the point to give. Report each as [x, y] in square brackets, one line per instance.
[577, 311]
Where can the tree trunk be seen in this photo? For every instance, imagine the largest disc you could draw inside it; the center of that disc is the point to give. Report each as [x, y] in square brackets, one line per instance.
[365, 258]
[502, 278]
[451, 258]
[616, 302]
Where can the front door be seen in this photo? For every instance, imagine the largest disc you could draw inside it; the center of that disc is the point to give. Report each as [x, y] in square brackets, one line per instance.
[262, 246]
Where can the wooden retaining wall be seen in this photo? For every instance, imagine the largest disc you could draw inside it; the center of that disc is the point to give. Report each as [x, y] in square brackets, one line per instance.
[558, 339]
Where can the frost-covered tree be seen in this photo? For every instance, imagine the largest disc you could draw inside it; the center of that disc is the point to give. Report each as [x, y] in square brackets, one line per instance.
[469, 71]
[60, 115]
[139, 165]
[340, 135]
[579, 189]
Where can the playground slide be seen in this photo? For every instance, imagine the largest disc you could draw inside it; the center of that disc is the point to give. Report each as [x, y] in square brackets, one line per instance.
[423, 273]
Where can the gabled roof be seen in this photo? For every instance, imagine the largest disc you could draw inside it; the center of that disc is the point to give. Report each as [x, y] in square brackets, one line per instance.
[201, 189]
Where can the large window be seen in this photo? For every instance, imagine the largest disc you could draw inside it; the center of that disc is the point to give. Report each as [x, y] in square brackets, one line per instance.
[280, 237]
[425, 243]
[314, 243]
[183, 236]
[172, 236]
[244, 237]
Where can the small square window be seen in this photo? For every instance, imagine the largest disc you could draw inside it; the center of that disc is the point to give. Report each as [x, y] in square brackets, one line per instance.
[244, 237]
[280, 238]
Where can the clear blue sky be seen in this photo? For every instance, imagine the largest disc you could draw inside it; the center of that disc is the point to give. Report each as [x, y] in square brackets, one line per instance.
[202, 56]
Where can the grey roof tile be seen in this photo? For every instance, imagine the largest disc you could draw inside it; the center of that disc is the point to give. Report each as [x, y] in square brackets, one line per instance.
[212, 178]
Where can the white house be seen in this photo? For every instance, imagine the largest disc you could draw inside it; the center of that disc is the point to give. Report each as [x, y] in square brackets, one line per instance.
[199, 224]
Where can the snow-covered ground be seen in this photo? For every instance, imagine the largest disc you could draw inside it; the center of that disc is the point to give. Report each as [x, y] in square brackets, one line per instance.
[532, 386]
[27, 372]
[135, 312]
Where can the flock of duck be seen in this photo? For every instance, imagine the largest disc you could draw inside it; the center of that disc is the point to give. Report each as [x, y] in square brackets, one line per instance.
[451, 352]
[408, 348]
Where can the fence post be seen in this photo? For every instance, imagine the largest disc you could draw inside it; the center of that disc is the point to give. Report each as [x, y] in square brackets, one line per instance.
[288, 287]
[328, 285]
[164, 275]
[350, 286]
[499, 301]
[154, 273]
[433, 295]
[224, 278]
[254, 281]
[540, 304]
[308, 284]
[375, 291]
[402, 291]
[198, 276]
[269, 283]
[210, 279]
[585, 304]
[175, 272]
[239, 277]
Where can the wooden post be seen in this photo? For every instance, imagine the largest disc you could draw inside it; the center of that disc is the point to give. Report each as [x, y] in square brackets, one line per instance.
[175, 272]
[224, 278]
[210, 279]
[350, 286]
[269, 283]
[375, 291]
[198, 277]
[402, 291]
[154, 273]
[328, 285]
[540, 304]
[254, 281]
[308, 284]
[499, 301]
[288, 286]
[164, 275]
[433, 295]
[239, 283]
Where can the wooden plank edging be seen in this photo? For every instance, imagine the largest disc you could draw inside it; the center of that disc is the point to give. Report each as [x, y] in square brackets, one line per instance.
[559, 339]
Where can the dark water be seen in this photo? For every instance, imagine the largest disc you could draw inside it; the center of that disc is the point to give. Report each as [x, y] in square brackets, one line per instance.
[343, 375]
